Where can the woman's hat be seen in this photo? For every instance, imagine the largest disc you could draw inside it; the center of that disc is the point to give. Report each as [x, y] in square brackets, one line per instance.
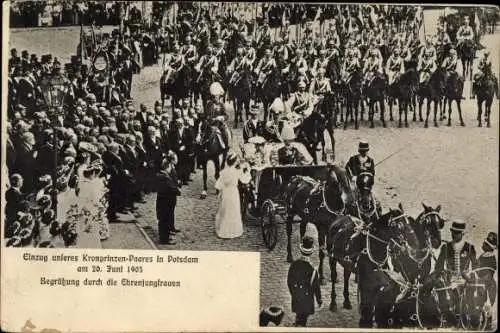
[363, 146]
[272, 314]
[287, 133]
[216, 89]
[258, 140]
[458, 225]
[307, 246]
[492, 240]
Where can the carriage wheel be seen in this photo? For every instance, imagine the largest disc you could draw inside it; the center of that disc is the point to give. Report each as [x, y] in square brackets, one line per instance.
[269, 225]
[465, 319]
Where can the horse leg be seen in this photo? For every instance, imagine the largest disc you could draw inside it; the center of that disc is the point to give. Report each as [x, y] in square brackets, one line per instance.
[428, 112]
[347, 111]
[218, 165]
[436, 102]
[400, 110]
[479, 112]
[333, 276]
[321, 248]
[488, 112]
[405, 108]
[362, 107]
[204, 171]
[382, 113]
[449, 112]
[289, 221]
[420, 103]
[390, 109]
[356, 110]
[459, 107]
[237, 111]
[347, 301]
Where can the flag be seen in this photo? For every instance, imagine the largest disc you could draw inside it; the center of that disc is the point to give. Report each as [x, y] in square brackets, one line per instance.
[477, 22]
[83, 47]
[421, 30]
[318, 14]
[94, 42]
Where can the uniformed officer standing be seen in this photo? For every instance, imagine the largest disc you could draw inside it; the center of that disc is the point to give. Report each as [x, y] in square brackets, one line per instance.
[361, 162]
[487, 267]
[303, 284]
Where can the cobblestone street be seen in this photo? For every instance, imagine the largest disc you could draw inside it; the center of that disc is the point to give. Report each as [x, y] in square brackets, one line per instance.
[456, 167]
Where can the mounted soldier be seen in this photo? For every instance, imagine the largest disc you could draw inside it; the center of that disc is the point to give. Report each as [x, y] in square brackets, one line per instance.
[280, 50]
[426, 67]
[395, 67]
[428, 49]
[484, 68]
[450, 65]
[351, 65]
[249, 52]
[266, 65]
[175, 63]
[239, 64]
[188, 50]
[263, 37]
[320, 85]
[321, 62]
[301, 100]
[465, 33]
[373, 67]
[208, 63]
[300, 61]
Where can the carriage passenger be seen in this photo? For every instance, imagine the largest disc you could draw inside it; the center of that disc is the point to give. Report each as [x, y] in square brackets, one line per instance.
[426, 67]
[292, 153]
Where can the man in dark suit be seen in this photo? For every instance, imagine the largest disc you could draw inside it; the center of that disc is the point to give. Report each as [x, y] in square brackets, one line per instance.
[142, 116]
[166, 200]
[457, 256]
[154, 148]
[183, 145]
[361, 162]
[131, 163]
[14, 198]
[303, 284]
[252, 127]
[116, 184]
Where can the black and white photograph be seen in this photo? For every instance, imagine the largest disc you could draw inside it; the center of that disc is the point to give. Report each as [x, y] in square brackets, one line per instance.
[353, 146]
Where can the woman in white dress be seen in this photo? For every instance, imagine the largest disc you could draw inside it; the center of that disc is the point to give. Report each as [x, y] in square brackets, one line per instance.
[228, 223]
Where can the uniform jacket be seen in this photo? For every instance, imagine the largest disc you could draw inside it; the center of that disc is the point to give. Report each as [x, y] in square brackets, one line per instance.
[355, 167]
[467, 257]
[14, 203]
[303, 284]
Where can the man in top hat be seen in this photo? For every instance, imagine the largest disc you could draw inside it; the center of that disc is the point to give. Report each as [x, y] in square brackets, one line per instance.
[303, 283]
[182, 142]
[457, 256]
[252, 126]
[360, 162]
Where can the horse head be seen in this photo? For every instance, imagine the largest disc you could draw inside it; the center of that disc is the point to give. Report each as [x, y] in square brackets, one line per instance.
[396, 226]
[431, 223]
[337, 193]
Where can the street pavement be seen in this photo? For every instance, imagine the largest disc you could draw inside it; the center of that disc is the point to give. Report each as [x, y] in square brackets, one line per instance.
[456, 167]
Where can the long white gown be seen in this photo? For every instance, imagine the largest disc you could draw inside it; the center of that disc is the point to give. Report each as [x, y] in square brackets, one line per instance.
[228, 223]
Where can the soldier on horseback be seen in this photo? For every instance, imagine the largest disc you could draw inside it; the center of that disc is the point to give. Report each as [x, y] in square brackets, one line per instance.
[189, 52]
[426, 67]
[350, 66]
[265, 66]
[208, 63]
[450, 65]
[249, 52]
[321, 62]
[428, 49]
[373, 68]
[484, 68]
[301, 100]
[280, 50]
[395, 67]
[465, 32]
[321, 84]
[237, 66]
[175, 63]
[300, 61]
[442, 37]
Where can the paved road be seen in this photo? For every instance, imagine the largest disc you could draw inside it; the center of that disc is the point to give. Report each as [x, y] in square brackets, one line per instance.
[456, 167]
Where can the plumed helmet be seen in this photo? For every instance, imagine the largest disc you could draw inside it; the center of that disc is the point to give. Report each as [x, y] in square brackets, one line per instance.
[287, 133]
[216, 89]
[277, 106]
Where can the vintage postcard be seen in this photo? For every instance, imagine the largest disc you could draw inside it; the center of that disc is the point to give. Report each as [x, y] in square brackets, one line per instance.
[243, 166]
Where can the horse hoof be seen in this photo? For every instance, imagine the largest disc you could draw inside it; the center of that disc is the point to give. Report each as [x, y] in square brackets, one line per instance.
[406, 125]
[399, 125]
[414, 119]
[421, 119]
[436, 124]
[462, 124]
[356, 127]
[372, 126]
[347, 305]
[333, 307]
[449, 124]
[479, 125]
[392, 119]
[384, 124]
[426, 125]
[488, 125]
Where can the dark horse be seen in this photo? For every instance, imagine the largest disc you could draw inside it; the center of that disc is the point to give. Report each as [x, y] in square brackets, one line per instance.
[431, 90]
[485, 89]
[213, 143]
[177, 85]
[270, 90]
[352, 95]
[454, 86]
[413, 263]
[311, 133]
[467, 52]
[403, 90]
[371, 244]
[241, 93]
[375, 93]
[317, 202]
